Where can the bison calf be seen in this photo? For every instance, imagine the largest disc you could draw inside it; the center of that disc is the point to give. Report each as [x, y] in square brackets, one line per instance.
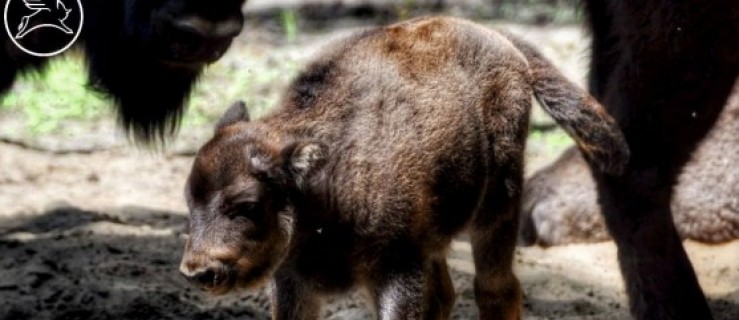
[388, 145]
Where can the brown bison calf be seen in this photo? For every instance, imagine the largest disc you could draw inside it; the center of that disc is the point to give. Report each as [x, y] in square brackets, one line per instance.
[387, 146]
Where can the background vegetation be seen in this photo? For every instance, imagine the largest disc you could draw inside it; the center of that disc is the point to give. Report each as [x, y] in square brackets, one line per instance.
[56, 105]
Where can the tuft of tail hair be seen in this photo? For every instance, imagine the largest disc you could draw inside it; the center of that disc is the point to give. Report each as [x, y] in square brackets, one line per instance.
[595, 132]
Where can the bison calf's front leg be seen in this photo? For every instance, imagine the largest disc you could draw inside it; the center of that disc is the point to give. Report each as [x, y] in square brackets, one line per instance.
[399, 296]
[292, 299]
[413, 290]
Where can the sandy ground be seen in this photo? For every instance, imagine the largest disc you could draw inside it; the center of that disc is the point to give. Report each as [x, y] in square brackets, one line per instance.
[98, 233]
[99, 236]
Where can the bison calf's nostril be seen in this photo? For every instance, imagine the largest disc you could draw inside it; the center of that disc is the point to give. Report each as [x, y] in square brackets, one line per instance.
[206, 278]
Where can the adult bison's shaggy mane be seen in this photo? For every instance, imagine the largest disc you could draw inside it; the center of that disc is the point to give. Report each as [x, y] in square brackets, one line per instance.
[145, 55]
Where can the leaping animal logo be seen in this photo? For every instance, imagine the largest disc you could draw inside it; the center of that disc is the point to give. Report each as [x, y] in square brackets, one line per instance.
[23, 17]
[46, 14]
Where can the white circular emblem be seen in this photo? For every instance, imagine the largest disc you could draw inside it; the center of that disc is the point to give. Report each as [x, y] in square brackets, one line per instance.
[43, 28]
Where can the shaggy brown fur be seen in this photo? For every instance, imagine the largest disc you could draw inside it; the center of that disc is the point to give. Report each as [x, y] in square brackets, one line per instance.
[385, 147]
[560, 202]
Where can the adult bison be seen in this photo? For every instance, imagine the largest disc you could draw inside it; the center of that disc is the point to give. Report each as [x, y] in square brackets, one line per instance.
[664, 69]
[144, 54]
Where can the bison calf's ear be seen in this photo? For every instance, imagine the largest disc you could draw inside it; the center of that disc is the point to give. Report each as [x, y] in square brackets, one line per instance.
[264, 165]
[289, 167]
[236, 113]
[305, 157]
[303, 160]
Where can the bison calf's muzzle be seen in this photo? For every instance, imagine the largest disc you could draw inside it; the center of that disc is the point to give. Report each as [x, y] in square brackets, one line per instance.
[204, 273]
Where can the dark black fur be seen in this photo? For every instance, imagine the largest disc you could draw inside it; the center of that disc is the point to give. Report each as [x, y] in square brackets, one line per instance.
[138, 58]
[664, 69]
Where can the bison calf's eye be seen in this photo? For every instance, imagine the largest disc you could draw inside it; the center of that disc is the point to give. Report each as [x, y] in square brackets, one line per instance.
[245, 209]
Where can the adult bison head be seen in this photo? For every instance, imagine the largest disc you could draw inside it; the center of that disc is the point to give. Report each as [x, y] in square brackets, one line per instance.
[184, 34]
[147, 54]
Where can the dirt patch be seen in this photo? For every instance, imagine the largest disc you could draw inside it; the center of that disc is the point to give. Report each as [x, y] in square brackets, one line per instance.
[99, 236]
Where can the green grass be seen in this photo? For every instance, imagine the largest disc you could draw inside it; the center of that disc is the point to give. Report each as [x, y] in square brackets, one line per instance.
[49, 102]
[550, 142]
[47, 99]
[290, 24]
[257, 82]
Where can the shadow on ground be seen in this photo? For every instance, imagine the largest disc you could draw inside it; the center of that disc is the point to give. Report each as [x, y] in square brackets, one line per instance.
[67, 263]
[72, 264]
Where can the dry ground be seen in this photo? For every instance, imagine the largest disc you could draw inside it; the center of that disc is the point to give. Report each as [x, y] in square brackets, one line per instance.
[99, 236]
[97, 233]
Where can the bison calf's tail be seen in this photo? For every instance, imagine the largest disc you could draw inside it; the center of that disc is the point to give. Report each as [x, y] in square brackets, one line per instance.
[595, 132]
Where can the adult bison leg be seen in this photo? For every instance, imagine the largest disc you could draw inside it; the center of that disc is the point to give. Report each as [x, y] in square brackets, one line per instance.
[660, 280]
[664, 70]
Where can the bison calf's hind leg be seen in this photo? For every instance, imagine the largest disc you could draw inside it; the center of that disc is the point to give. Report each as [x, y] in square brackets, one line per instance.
[493, 234]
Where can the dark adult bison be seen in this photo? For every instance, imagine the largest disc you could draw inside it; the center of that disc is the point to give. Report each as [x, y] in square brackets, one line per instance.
[144, 54]
[664, 69]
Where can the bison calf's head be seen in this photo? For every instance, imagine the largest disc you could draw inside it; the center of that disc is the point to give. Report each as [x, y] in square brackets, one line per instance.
[238, 193]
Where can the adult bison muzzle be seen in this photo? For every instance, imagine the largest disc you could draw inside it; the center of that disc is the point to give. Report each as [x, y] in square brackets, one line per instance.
[387, 146]
[146, 55]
